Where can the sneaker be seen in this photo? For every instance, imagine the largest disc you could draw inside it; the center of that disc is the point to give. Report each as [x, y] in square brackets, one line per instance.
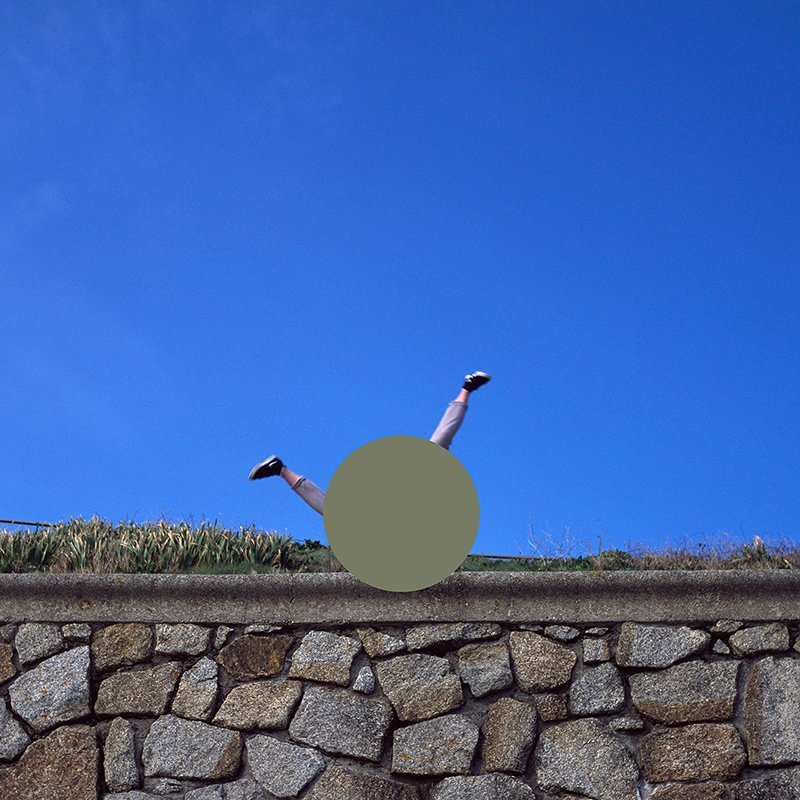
[476, 379]
[266, 469]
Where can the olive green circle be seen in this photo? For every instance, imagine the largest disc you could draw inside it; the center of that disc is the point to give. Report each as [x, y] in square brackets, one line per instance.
[401, 513]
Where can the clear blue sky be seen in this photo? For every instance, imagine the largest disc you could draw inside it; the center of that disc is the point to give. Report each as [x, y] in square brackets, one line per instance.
[232, 229]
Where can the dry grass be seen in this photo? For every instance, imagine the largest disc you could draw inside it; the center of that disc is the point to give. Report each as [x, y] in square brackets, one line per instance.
[717, 553]
[94, 545]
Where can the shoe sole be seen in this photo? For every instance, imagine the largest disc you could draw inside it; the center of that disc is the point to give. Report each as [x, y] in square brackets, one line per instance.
[486, 378]
[253, 476]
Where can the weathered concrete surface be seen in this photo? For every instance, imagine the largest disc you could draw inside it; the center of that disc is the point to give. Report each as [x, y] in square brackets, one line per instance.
[337, 598]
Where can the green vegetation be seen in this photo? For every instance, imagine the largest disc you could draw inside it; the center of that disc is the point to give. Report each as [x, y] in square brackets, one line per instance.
[94, 545]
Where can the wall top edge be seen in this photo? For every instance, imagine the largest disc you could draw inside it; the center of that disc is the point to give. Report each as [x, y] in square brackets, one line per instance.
[340, 598]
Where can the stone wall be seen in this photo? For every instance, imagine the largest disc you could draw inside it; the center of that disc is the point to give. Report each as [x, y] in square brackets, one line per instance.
[144, 706]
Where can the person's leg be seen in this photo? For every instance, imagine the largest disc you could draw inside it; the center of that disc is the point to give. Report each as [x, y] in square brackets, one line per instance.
[309, 491]
[456, 410]
[451, 420]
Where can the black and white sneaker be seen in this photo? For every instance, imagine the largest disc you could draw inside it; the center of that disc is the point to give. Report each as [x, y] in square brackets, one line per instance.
[476, 379]
[266, 469]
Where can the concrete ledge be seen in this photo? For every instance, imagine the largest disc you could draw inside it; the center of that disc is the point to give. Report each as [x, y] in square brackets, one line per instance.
[333, 598]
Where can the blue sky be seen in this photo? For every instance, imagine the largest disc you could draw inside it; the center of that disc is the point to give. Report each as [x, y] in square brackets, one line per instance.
[233, 229]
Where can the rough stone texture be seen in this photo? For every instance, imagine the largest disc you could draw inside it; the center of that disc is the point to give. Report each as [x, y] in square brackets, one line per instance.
[482, 787]
[121, 645]
[419, 686]
[262, 628]
[144, 691]
[485, 668]
[759, 639]
[690, 791]
[629, 722]
[452, 633]
[508, 733]
[7, 633]
[183, 748]
[779, 784]
[595, 650]
[698, 752]
[250, 657]
[442, 746]
[320, 740]
[35, 641]
[563, 633]
[215, 792]
[694, 691]
[182, 640]
[365, 681]
[80, 631]
[377, 643]
[197, 693]
[165, 786]
[340, 783]
[726, 626]
[326, 657]
[567, 758]
[772, 711]
[13, 738]
[264, 704]
[55, 691]
[221, 636]
[7, 668]
[162, 786]
[538, 662]
[119, 757]
[720, 648]
[339, 721]
[658, 645]
[597, 690]
[243, 789]
[283, 769]
[550, 707]
[61, 766]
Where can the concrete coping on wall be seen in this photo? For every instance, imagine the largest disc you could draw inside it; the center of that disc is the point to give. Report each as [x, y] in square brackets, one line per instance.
[337, 598]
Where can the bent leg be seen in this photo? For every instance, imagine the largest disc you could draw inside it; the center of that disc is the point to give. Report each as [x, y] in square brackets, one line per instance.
[449, 423]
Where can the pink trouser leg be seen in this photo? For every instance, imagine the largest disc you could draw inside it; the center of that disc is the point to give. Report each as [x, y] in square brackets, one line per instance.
[449, 424]
[311, 493]
[443, 436]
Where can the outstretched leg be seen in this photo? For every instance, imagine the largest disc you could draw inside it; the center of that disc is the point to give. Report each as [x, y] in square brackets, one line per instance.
[456, 410]
[443, 436]
[451, 420]
[309, 491]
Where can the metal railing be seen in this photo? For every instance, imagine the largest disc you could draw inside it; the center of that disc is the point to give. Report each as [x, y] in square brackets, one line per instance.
[521, 558]
[27, 522]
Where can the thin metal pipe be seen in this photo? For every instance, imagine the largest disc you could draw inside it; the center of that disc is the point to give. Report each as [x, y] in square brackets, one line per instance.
[25, 522]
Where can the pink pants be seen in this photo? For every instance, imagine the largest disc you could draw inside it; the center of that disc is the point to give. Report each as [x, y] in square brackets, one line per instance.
[443, 436]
